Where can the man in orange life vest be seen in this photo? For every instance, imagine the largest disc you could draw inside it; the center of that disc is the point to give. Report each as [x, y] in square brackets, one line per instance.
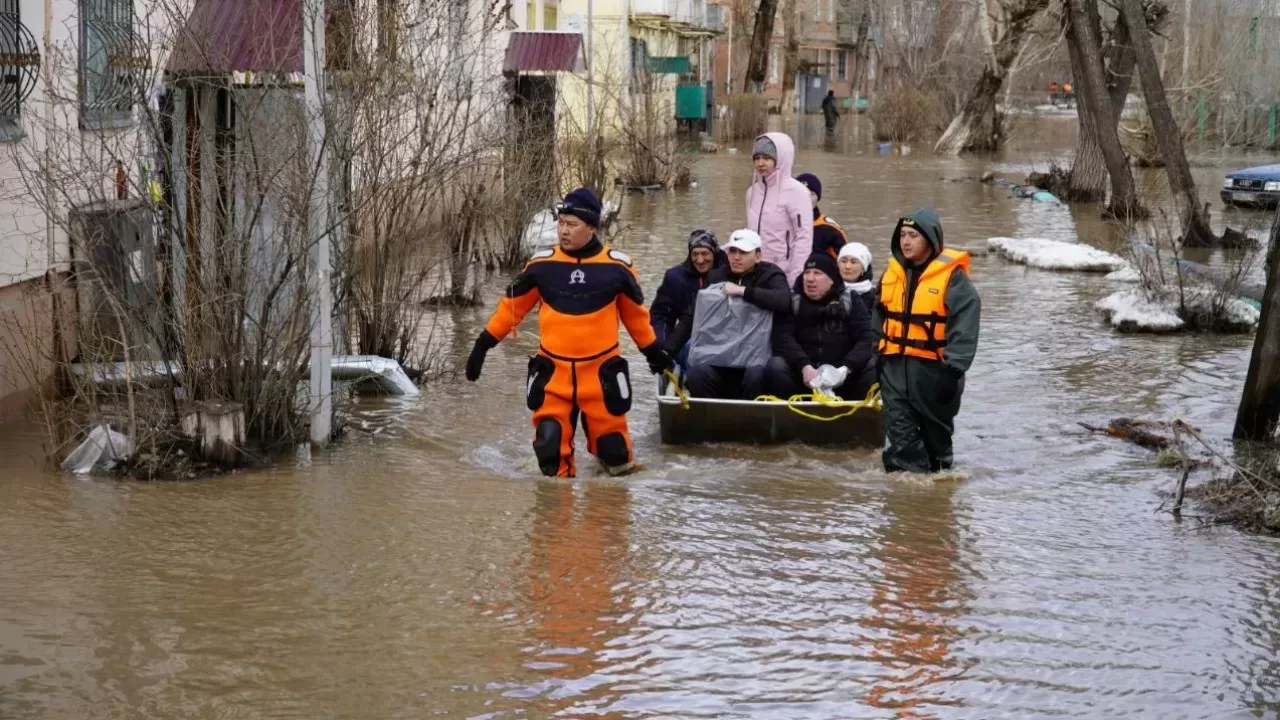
[585, 289]
[928, 315]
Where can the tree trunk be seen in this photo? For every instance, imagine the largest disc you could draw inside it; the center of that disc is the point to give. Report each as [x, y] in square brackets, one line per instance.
[1195, 225]
[1088, 178]
[761, 39]
[791, 58]
[965, 133]
[1260, 401]
[1091, 91]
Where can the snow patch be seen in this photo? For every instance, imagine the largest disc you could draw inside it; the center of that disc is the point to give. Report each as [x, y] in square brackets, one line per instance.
[1055, 255]
[1132, 311]
[1128, 274]
[1204, 309]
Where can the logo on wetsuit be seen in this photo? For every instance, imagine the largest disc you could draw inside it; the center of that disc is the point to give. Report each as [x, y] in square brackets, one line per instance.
[577, 277]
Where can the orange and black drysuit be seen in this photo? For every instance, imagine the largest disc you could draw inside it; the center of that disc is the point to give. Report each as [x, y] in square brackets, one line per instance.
[578, 371]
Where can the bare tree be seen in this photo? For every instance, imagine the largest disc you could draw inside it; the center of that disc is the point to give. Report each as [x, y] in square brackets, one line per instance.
[761, 42]
[1259, 409]
[1195, 226]
[1098, 115]
[1003, 33]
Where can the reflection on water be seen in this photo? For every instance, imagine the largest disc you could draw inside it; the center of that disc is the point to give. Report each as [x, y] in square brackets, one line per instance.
[915, 606]
[423, 569]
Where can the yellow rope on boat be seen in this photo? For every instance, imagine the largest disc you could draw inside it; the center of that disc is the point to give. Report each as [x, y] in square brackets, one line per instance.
[675, 385]
[872, 400]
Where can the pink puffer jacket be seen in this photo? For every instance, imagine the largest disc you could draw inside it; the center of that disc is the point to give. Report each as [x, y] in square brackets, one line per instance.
[779, 209]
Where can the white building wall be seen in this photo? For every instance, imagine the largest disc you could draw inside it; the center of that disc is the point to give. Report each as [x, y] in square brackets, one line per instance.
[81, 162]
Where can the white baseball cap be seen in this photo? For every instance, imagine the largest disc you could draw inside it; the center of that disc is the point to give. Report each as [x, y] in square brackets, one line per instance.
[744, 240]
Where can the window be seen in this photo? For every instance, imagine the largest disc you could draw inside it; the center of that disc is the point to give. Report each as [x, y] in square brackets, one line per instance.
[19, 63]
[826, 63]
[639, 66]
[831, 11]
[842, 65]
[388, 28]
[773, 65]
[817, 10]
[111, 61]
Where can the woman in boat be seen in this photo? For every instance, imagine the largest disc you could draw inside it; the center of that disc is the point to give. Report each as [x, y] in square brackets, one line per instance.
[680, 284]
[826, 327]
[855, 270]
[778, 206]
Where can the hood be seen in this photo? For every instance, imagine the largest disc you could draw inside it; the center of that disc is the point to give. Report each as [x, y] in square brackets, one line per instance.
[1264, 172]
[719, 260]
[786, 158]
[858, 252]
[928, 223]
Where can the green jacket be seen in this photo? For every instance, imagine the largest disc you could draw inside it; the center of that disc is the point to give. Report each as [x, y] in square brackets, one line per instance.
[964, 307]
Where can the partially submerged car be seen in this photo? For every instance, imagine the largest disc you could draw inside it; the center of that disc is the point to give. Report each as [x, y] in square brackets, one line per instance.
[1253, 187]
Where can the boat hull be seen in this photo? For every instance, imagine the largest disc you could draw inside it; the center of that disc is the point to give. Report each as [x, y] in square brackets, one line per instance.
[755, 422]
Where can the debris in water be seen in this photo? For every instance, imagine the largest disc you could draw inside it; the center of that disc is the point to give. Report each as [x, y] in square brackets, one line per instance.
[101, 450]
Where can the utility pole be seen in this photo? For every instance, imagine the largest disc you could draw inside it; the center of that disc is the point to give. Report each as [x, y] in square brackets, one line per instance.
[313, 68]
[591, 100]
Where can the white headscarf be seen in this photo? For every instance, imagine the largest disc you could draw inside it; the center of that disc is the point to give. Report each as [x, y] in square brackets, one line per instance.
[862, 254]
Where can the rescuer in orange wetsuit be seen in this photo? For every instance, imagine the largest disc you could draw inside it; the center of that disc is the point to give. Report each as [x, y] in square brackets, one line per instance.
[585, 289]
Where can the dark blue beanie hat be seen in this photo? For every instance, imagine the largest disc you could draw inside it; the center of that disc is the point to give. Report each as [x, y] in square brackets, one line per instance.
[812, 182]
[582, 204]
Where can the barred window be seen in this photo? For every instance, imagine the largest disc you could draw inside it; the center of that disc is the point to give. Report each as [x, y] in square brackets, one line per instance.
[19, 66]
[111, 63]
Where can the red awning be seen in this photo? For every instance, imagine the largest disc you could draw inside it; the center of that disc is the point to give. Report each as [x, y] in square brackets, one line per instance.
[543, 51]
[225, 36]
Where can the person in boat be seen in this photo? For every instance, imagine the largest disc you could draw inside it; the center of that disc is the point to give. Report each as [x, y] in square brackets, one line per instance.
[778, 206]
[680, 284]
[585, 289]
[827, 326]
[828, 236]
[928, 316]
[756, 281]
[855, 270]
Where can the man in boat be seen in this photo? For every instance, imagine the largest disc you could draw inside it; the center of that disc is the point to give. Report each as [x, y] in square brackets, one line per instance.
[680, 284]
[828, 236]
[759, 283]
[928, 316]
[585, 289]
[827, 326]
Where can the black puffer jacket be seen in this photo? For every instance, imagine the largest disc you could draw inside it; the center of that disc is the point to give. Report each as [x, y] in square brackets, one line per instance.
[835, 330]
[767, 288]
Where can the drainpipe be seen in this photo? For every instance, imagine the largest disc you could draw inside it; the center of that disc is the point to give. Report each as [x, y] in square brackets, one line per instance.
[313, 66]
[50, 236]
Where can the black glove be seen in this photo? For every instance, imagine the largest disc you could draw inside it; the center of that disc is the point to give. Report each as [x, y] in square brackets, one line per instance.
[484, 343]
[659, 359]
[948, 385]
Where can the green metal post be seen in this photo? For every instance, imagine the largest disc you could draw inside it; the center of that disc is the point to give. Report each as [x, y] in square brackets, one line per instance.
[1202, 118]
[1271, 134]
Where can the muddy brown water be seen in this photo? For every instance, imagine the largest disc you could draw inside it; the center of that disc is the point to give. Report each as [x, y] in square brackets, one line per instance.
[421, 569]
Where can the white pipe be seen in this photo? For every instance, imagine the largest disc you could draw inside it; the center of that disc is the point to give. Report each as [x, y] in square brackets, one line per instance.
[313, 66]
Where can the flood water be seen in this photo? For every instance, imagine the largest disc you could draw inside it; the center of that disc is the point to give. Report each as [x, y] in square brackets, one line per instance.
[423, 569]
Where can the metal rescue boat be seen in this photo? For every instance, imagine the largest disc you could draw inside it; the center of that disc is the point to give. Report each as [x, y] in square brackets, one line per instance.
[685, 420]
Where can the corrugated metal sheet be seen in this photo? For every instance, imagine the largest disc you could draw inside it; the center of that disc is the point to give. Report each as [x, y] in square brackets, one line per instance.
[225, 36]
[543, 51]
